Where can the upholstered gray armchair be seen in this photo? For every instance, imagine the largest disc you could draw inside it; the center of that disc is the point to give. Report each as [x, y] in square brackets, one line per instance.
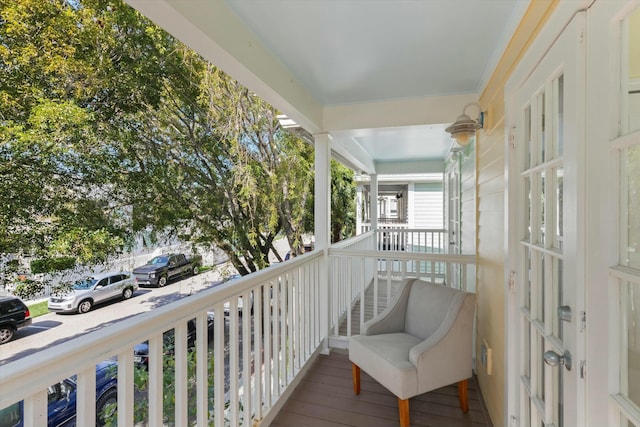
[422, 341]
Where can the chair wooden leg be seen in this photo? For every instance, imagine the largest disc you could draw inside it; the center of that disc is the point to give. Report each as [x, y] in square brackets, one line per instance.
[463, 394]
[355, 370]
[403, 409]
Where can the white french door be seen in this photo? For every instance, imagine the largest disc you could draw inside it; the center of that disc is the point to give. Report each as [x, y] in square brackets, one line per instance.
[613, 256]
[546, 204]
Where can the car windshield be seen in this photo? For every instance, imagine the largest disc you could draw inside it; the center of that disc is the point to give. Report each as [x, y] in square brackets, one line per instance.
[87, 283]
[159, 260]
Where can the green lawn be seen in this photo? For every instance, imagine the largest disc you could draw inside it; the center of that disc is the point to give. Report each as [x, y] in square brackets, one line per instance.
[38, 309]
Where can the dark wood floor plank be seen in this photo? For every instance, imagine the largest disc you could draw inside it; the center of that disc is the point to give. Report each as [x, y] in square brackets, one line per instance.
[325, 398]
[288, 419]
[341, 416]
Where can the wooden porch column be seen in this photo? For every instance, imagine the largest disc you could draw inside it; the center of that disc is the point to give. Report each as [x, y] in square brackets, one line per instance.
[373, 208]
[322, 225]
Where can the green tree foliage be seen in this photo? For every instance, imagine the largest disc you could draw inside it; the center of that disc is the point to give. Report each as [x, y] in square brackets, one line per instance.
[60, 63]
[47, 265]
[141, 381]
[110, 126]
[212, 162]
[27, 289]
[343, 202]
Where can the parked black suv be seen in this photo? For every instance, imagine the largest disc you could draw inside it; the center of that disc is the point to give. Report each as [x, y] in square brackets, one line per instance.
[14, 314]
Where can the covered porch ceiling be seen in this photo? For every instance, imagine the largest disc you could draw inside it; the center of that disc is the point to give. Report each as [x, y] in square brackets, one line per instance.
[382, 77]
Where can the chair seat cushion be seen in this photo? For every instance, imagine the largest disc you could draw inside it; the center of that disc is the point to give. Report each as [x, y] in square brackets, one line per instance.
[385, 357]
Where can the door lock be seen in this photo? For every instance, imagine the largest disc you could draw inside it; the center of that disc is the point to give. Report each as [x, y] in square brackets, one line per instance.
[552, 358]
[564, 313]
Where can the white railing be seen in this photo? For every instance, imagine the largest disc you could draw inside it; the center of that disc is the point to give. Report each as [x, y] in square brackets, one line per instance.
[259, 350]
[386, 223]
[363, 282]
[365, 228]
[412, 240]
[361, 241]
[267, 329]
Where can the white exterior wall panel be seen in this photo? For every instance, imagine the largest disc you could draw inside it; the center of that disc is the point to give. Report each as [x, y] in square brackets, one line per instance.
[428, 206]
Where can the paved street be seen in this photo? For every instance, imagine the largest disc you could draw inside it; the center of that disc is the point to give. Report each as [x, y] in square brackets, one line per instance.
[52, 329]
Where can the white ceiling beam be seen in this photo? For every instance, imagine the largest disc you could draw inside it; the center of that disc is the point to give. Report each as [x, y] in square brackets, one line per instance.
[396, 113]
[350, 153]
[410, 167]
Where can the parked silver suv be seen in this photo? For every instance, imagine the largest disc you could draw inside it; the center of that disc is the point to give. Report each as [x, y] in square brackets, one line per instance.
[92, 290]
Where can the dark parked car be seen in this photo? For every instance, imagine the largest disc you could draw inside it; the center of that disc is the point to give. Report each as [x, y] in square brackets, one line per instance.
[141, 351]
[163, 268]
[14, 314]
[62, 399]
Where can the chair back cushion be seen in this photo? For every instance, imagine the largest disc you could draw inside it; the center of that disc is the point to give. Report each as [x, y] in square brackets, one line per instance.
[427, 307]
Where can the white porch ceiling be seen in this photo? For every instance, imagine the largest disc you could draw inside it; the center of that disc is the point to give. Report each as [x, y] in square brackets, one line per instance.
[383, 77]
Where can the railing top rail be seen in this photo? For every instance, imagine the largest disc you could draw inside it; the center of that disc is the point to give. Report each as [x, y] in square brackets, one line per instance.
[402, 255]
[352, 240]
[413, 230]
[25, 377]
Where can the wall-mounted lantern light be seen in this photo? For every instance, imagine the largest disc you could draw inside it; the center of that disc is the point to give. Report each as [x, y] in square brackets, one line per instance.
[465, 127]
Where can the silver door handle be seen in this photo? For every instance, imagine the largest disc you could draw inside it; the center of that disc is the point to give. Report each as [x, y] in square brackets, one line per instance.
[552, 358]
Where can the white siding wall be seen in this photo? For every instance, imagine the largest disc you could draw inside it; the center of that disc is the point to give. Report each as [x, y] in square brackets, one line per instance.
[428, 206]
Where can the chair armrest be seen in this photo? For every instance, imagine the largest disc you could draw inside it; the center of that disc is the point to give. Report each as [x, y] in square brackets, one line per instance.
[392, 318]
[446, 356]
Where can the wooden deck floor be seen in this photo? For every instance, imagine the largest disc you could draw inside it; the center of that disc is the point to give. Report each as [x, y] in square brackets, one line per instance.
[325, 398]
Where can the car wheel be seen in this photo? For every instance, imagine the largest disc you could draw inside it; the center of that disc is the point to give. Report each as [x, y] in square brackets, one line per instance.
[84, 306]
[195, 270]
[162, 281]
[110, 397]
[127, 293]
[6, 333]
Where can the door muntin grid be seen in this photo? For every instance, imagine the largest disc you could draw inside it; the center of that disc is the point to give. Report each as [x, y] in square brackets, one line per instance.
[542, 183]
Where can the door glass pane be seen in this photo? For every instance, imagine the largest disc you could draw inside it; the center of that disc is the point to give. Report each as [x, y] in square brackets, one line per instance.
[541, 128]
[631, 177]
[540, 288]
[559, 207]
[540, 210]
[527, 280]
[527, 138]
[631, 73]
[527, 209]
[559, 87]
[630, 354]
[559, 406]
[557, 297]
[527, 349]
[541, 365]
